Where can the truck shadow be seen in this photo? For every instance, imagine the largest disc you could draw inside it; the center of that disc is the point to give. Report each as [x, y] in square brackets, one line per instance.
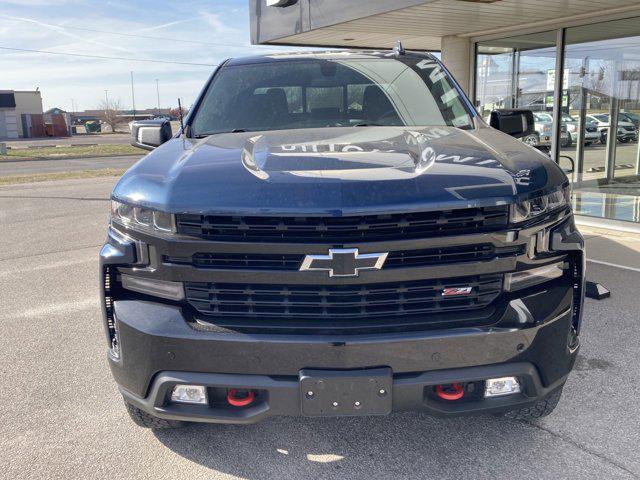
[401, 445]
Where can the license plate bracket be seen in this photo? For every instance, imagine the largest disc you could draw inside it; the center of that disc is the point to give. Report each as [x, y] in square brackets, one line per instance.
[346, 392]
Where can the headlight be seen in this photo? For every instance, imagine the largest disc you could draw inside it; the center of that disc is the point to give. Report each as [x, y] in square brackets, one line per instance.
[523, 211]
[141, 218]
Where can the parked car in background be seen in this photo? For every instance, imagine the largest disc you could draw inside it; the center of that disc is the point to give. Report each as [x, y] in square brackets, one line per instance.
[630, 117]
[591, 134]
[542, 135]
[570, 124]
[626, 130]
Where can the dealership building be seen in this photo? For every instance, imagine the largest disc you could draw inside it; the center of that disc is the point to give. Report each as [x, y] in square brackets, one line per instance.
[576, 61]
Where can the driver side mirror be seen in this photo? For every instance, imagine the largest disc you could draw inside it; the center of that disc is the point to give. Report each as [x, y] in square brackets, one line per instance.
[149, 134]
[515, 122]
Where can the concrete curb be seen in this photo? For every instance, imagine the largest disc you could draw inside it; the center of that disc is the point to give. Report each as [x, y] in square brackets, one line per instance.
[56, 145]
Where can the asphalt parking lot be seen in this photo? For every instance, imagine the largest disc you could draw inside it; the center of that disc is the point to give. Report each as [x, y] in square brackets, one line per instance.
[62, 416]
[595, 158]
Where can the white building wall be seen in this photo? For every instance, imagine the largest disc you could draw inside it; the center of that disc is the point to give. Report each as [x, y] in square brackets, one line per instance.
[456, 56]
[27, 102]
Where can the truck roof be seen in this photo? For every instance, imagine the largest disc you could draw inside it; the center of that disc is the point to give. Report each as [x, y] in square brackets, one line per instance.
[315, 55]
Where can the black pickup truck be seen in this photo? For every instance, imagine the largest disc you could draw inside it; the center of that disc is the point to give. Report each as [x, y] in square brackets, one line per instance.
[334, 234]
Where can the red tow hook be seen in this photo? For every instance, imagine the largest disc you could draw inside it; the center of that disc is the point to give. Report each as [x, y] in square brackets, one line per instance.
[239, 400]
[450, 392]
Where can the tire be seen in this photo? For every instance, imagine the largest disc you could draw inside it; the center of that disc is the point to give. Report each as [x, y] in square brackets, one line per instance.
[143, 419]
[531, 140]
[565, 139]
[539, 410]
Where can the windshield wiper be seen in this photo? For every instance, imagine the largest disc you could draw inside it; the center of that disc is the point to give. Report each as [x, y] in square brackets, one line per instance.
[235, 130]
[368, 125]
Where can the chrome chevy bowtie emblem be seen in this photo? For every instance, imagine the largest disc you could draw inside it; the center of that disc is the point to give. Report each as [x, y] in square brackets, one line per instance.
[344, 262]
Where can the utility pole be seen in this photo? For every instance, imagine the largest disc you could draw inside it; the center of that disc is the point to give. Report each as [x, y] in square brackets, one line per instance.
[158, 92]
[71, 115]
[133, 97]
[106, 97]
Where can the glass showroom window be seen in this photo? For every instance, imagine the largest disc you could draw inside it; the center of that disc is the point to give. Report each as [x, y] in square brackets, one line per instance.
[519, 72]
[601, 86]
[600, 94]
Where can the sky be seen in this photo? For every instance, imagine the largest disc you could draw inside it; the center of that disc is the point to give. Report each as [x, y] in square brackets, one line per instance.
[202, 32]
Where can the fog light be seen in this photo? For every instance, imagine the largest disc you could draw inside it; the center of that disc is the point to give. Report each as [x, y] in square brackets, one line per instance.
[189, 394]
[496, 387]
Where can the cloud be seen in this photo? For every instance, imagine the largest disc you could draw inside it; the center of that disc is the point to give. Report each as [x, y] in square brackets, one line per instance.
[37, 3]
[165, 25]
[60, 78]
[219, 27]
[62, 31]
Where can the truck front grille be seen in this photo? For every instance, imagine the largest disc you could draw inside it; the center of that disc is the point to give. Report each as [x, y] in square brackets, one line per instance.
[396, 259]
[341, 302]
[343, 229]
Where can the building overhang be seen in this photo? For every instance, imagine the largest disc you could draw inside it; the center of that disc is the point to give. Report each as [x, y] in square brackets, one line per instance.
[419, 24]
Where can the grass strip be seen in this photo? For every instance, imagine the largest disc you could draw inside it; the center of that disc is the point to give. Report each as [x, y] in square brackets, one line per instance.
[66, 152]
[45, 177]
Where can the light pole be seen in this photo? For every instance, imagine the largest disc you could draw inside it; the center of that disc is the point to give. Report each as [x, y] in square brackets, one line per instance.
[133, 97]
[158, 92]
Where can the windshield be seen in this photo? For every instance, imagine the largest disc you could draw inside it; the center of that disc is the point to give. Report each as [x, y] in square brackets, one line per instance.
[627, 117]
[602, 118]
[543, 117]
[313, 93]
[568, 118]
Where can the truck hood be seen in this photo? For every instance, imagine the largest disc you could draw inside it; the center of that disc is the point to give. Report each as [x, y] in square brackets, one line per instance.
[339, 171]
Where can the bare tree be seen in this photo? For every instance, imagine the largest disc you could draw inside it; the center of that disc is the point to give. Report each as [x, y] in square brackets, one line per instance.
[175, 112]
[111, 111]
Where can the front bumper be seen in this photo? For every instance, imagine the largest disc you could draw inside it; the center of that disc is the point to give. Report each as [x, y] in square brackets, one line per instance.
[588, 136]
[533, 338]
[282, 396]
[160, 350]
